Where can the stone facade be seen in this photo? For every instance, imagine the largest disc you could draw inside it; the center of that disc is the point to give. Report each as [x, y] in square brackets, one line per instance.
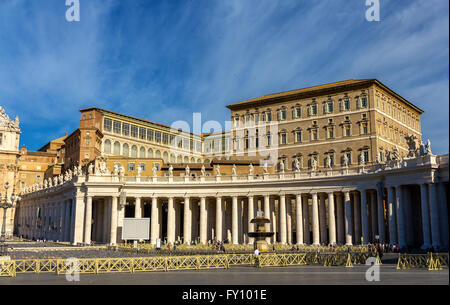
[400, 203]
[347, 118]
[9, 154]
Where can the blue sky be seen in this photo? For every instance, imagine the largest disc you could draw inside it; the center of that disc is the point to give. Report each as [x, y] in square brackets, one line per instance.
[164, 60]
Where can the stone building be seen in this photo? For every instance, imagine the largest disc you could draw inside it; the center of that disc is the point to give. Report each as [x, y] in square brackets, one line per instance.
[349, 168]
[354, 119]
[9, 155]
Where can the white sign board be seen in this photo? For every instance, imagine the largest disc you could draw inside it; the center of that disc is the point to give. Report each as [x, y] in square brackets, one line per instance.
[136, 229]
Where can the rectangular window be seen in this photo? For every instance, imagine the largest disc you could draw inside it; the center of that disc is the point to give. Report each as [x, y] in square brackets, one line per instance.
[330, 107]
[364, 128]
[366, 156]
[269, 116]
[347, 131]
[134, 131]
[130, 167]
[364, 102]
[157, 136]
[149, 135]
[165, 138]
[314, 134]
[298, 135]
[256, 118]
[346, 105]
[117, 127]
[283, 138]
[349, 157]
[142, 133]
[107, 124]
[313, 109]
[298, 112]
[125, 129]
[330, 133]
[142, 166]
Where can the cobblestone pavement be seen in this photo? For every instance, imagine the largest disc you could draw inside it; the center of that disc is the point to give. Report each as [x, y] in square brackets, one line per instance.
[245, 275]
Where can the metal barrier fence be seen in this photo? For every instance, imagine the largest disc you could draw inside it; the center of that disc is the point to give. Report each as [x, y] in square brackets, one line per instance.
[431, 261]
[216, 261]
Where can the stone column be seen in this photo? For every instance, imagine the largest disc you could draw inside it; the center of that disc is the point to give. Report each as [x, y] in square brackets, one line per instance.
[113, 221]
[306, 229]
[331, 219]
[400, 216]
[282, 208]
[299, 219]
[391, 216]
[289, 220]
[107, 204]
[88, 220]
[322, 219]
[373, 214]
[154, 222]
[63, 208]
[357, 217]
[170, 221]
[138, 208]
[443, 214]
[274, 220]
[425, 217]
[380, 211]
[78, 219]
[340, 219]
[203, 220]
[364, 218]
[348, 219]
[234, 221]
[315, 220]
[219, 219]
[251, 215]
[267, 215]
[434, 213]
[187, 228]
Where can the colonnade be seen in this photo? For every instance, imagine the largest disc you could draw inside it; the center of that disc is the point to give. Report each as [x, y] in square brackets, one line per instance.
[407, 215]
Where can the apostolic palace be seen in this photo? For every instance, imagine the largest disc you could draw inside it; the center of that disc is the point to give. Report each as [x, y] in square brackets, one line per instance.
[340, 163]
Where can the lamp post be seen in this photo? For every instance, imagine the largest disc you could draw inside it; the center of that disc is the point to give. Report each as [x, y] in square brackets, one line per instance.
[5, 205]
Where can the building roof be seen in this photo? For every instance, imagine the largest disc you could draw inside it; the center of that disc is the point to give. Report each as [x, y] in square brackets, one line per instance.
[125, 116]
[59, 140]
[314, 91]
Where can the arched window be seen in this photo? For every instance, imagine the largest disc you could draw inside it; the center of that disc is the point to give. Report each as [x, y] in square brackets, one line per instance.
[172, 158]
[142, 152]
[126, 150]
[116, 148]
[134, 151]
[158, 154]
[192, 160]
[186, 159]
[107, 146]
[179, 159]
[199, 161]
[207, 161]
[165, 157]
[150, 153]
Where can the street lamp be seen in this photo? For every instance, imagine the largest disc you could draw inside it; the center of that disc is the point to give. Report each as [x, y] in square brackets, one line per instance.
[5, 205]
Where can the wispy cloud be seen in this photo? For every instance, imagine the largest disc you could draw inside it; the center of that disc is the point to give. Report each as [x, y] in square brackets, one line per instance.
[163, 60]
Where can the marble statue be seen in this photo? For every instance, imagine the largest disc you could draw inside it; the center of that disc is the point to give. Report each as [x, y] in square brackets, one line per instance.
[203, 170]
